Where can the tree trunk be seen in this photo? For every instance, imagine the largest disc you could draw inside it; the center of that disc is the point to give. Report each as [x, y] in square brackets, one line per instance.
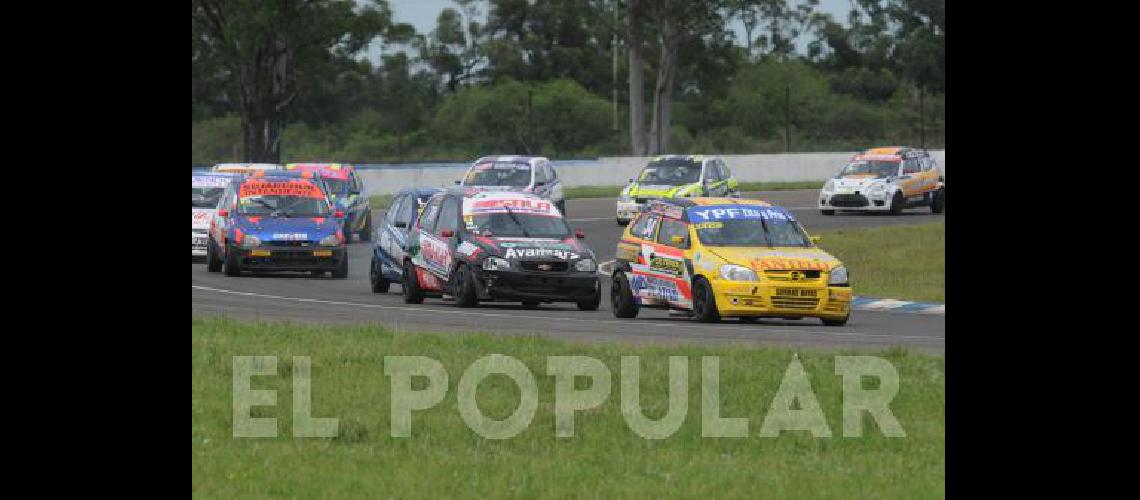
[663, 92]
[264, 97]
[636, 86]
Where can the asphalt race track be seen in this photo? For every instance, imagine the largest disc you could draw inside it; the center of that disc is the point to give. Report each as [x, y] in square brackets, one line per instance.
[299, 297]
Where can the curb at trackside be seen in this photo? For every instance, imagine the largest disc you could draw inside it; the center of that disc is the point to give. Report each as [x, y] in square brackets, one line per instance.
[857, 303]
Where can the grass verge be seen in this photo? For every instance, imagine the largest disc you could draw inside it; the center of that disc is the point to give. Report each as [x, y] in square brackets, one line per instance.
[444, 458]
[897, 262]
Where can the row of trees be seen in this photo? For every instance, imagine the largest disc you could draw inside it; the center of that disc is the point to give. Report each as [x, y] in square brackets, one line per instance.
[561, 78]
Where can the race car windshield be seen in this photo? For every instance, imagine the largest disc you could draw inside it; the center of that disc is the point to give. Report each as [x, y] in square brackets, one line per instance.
[499, 174]
[876, 168]
[205, 197]
[671, 172]
[752, 233]
[527, 225]
[337, 186]
[283, 206]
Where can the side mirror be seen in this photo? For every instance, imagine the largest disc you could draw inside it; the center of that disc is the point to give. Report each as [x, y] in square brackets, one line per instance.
[223, 213]
[815, 239]
[400, 223]
[447, 233]
[631, 180]
[339, 214]
[457, 182]
[678, 239]
[580, 234]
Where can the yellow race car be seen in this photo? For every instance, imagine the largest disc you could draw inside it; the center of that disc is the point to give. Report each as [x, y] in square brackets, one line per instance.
[676, 176]
[726, 257]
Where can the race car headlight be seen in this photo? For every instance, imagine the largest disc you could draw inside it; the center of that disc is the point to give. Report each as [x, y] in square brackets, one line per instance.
[732, 272]
[837, 276]
[496, 264]
[330, 241]
[586, 266]
[250, 241]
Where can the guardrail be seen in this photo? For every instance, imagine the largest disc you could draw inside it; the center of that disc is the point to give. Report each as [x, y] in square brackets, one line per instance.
[617, 170]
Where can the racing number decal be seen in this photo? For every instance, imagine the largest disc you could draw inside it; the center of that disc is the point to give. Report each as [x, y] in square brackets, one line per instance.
[436, 255]
[660, 274]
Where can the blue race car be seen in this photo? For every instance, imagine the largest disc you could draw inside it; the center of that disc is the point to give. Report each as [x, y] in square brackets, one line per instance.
[391, 242]
[276, 222]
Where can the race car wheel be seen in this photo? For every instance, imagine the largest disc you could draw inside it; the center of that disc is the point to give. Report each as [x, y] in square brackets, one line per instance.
[380, 284]
[704, 302]
[622, 222]
[412, 292]
[595, 300]
[897, 203]
[465, 287]
[232, 267]
[341, 271]
[366, 233]
[621, 297]
[347, 231]
[835, 322]
[938, 204]
[827, 212]
[213, 263]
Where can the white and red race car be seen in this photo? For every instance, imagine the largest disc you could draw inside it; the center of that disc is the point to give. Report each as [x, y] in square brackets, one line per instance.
[206, 190]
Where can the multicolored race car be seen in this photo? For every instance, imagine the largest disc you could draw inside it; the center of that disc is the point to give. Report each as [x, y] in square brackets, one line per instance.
[676, 176]
[887, 179]
[391, 246]
[277, 222]
[524, 174]
[726, 257]
[346, 191]
[206, 191]
[498, 247]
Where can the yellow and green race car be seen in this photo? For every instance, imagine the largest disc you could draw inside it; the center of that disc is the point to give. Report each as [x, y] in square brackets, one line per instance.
[726, 257]
[676, 176]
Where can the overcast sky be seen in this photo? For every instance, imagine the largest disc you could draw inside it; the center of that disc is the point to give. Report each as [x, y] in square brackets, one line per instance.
[422, 14]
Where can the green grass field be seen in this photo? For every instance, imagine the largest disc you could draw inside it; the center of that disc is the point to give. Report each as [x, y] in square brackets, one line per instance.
[897, 262]
[605, 459]
[382, 201]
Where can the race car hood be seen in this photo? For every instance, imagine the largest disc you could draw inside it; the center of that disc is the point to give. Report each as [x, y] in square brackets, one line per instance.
[527, 249]
[638, 190]
[287, 228]
[200, 218]
[771, 259]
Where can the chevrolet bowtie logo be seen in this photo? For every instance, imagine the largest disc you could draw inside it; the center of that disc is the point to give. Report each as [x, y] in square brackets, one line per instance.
[795, 276]
[545, 267]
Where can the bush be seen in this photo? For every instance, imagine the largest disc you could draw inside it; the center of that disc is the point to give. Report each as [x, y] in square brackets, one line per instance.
[216, 140]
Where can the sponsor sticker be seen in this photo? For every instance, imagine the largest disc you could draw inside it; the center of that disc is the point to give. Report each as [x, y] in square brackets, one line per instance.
[516, 253]
[291, 236]
[255, 188]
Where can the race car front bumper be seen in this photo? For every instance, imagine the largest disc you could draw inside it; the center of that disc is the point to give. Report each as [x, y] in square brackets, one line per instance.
[270, 258]
[627, 210]
[198, 243]
[785, 300]
[570, 286]
[880, 202]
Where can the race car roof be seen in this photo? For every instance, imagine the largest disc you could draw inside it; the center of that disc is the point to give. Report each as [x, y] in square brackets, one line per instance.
[510, 159]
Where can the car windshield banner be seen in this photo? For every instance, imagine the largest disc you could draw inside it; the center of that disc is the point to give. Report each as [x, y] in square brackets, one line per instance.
[209, 181]
[730, 212]
[475, 206]
[259, 187]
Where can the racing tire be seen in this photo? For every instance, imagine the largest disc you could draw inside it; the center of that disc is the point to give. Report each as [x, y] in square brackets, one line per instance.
[341, 271]
[347, 231]
[827, 212]
[413, 294]
[366, 233]
[213, 262]
[232, 266]
[622, 223]
[530, 304]
[938, 204]
[704, 302]
[897, 203]
[380, 284]
[621, 297]
[835, 322]
[595, 300]
[465, 287]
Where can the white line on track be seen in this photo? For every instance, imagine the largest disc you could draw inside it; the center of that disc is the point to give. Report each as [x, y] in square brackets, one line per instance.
[936, 340]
